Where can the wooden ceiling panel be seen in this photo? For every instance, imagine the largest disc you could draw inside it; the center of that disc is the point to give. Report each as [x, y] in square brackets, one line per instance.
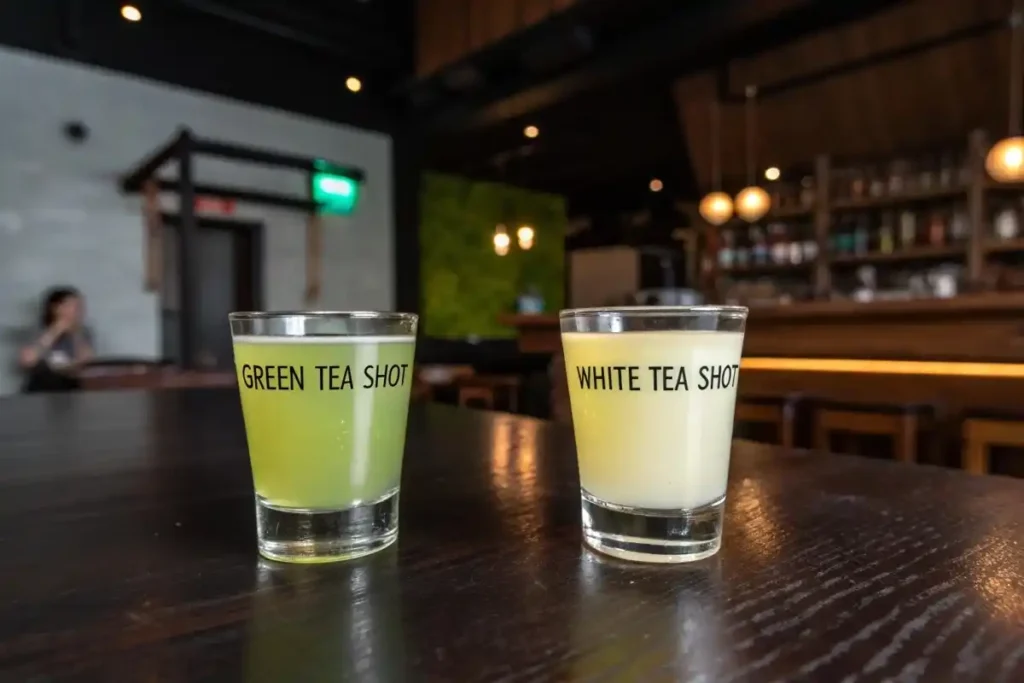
[448, 30]
[918, 101]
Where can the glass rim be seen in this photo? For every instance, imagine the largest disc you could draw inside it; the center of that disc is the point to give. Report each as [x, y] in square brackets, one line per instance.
[394, 316]
[649, 311]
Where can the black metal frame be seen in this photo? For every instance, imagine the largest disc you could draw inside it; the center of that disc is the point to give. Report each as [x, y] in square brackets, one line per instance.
[184, 147]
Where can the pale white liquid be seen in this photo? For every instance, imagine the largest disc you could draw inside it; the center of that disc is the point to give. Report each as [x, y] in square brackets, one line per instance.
[662, 449]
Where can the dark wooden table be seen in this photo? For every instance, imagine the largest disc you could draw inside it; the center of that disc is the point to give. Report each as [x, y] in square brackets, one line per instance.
[126, 526]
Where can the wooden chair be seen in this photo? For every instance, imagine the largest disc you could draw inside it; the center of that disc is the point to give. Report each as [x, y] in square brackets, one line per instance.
[477, 387]
[478, 396]
[780, 413]
[981, 433]
[903, 423]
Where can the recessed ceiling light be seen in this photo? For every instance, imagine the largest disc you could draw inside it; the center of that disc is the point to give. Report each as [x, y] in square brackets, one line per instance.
[772, 173]
[131, 13]
[353, 84]
[531, 131]
[656, 185]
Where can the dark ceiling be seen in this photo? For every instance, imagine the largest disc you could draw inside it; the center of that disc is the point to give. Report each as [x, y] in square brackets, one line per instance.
[291, 55]
[595, 76]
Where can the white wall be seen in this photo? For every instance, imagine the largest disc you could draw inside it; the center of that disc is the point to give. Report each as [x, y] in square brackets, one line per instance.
[64, 221]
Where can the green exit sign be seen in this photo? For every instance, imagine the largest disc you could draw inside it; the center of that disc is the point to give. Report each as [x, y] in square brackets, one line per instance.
[335, 192]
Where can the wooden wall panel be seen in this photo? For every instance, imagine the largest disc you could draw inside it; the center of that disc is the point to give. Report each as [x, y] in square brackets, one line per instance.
[448, 30]
[928, 99]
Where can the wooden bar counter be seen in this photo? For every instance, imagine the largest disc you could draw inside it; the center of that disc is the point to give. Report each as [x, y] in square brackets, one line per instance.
[979, 328]
[957, 355]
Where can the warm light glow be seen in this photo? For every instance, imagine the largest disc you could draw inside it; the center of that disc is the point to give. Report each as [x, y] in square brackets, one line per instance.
[131, 13]
[1005, 161]
[656, 185]
[353, 84]
[525, 235]
[772, 173]
[501, 240]
[752, 203]
[716, 208]
[884, 367]
[531, 131]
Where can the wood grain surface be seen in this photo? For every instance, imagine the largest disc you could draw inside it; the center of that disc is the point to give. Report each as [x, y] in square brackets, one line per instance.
[126, 525]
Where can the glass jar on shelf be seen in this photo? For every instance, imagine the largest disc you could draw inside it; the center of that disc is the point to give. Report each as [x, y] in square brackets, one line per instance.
[947, 171]
[959, 223]
[898, 172]
[876, 182]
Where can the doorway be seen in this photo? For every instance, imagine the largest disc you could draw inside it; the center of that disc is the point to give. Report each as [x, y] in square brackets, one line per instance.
[230, 272]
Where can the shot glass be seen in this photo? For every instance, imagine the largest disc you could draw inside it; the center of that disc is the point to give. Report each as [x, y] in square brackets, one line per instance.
[325, 396]
[653, 392]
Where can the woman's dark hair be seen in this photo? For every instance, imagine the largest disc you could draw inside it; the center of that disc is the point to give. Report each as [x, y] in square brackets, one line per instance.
[53, 298]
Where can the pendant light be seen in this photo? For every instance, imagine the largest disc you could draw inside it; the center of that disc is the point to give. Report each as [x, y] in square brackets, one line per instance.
[716, 206]
[752, 202]
[1005, 161]
[501, 239]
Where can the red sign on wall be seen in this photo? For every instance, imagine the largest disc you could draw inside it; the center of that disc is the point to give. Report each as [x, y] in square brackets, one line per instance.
[217, 205]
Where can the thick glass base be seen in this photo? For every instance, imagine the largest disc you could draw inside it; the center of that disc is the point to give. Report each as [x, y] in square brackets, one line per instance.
[307, 536]
[645, 535]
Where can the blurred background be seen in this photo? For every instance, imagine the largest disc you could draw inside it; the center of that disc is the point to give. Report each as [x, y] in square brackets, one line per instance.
[849, 170]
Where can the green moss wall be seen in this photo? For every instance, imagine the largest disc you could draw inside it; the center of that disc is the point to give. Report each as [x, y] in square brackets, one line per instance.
[465, 285]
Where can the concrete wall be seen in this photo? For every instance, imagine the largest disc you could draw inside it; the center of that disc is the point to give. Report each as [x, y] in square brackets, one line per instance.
[64, 221]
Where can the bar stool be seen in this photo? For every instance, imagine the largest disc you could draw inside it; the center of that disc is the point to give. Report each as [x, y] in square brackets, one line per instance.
[778, 412]
[483, 389]
[902, 422]
[478, 396]
[981, 433]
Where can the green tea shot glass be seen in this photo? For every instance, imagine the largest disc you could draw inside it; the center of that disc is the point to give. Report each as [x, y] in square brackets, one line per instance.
[325, 396]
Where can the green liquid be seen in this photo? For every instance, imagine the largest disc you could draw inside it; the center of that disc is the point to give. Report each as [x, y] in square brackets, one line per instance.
[327, 444]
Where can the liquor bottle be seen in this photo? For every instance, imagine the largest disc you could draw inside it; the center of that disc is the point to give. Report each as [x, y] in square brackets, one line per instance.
[777, 242]
[876, 186]
[759, 249]
[947, 171]
[964, 172]
[960, 224]
[846, 237]
[861, 236]
[887, 233]
[908, 229]
[858, 184]
[937, 229]
[796, 252]
[897, 177]
[742, 254]
[1006, 226]
[727, 252]
[807, 191]
[810, 249]
[926, 174]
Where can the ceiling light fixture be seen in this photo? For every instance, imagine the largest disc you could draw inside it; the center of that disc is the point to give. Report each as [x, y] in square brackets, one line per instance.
[772, 173]
[716, 206]
[531, 131]
[752, 202]
[131, 13]
[1005, 161]
[353, 84]
[656, 185]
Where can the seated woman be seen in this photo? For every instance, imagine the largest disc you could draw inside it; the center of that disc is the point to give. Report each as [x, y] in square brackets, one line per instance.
[52, 362]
